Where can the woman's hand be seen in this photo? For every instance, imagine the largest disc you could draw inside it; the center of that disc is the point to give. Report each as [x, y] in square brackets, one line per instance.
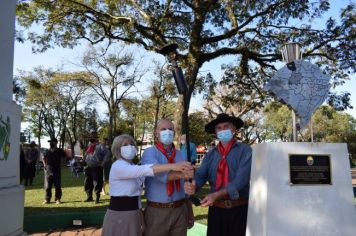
[183, 167]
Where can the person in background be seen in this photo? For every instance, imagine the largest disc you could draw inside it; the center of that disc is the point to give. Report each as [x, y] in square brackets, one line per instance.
[167, 212]
[227, 168]
[52, 166]
[107, 164]
[22, 164]
[94, 159]
[31, 157]
[124, 217]
[212, 145]
[193, 149]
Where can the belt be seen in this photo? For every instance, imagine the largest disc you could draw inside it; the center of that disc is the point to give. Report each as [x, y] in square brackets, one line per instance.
[175, 204]
[123, 203]
[227, 204]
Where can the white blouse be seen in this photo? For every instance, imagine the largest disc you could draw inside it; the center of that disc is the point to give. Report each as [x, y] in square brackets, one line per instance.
[126, 179]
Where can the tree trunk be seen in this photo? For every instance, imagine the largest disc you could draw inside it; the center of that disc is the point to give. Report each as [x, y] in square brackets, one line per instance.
[143, 135]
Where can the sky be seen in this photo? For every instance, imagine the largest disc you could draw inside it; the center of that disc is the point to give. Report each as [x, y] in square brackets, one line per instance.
[24, 59]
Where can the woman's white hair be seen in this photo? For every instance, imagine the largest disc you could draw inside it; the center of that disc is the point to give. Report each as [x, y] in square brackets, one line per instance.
[117, 144]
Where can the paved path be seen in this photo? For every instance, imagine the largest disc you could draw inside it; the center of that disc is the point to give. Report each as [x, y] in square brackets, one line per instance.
[197, 230]
[92, 231]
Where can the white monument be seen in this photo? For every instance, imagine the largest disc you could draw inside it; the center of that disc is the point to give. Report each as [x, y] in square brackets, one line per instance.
[309, 197]
[300, 189]
[11, 192]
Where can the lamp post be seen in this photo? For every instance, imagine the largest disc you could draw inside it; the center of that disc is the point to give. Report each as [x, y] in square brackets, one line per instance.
[170, 52]
[291, 52]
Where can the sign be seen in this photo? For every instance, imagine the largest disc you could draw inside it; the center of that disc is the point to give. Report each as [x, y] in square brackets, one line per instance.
[309, 169]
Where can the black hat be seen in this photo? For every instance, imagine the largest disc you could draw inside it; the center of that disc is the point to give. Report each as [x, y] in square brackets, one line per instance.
[210, 127]
[53, 140]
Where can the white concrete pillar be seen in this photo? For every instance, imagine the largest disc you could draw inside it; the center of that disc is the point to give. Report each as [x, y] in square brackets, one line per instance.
[11, 192]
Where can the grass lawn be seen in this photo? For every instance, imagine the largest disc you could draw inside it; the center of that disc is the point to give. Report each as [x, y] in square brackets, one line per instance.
[73, 196]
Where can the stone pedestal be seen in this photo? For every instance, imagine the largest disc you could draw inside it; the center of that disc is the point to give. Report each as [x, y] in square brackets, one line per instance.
[279, 208]
[11, 192]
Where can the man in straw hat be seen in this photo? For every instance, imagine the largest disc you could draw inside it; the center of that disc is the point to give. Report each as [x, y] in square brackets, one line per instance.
[227, 168]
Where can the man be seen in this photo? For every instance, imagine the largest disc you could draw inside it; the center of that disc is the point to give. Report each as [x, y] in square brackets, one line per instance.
[166, 213]
[227, 168]
[94, 158]
[31, 157]
[193, 149]
[52, 166]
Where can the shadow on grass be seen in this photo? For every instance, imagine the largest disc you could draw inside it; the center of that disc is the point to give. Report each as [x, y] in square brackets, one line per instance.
[68, 180]
[201, 217]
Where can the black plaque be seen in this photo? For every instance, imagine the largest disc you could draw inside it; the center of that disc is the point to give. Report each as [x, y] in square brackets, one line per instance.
[309, 169]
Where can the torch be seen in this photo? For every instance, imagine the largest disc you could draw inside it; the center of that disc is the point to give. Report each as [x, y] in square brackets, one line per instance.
[170, 51]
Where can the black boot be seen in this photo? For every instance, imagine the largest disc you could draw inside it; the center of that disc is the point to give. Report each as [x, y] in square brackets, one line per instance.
[89, 199]
[97, 199]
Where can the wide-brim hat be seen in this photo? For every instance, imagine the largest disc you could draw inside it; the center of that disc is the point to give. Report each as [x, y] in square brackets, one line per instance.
[210, 127]
[53, 140]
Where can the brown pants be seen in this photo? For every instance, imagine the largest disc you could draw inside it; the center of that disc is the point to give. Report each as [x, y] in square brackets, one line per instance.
[166, 221]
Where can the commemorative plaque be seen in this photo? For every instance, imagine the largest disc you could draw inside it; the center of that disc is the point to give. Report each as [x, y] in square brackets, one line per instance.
[309, 169]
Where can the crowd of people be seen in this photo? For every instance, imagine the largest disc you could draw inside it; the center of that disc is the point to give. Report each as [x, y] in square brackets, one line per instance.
[168, 179]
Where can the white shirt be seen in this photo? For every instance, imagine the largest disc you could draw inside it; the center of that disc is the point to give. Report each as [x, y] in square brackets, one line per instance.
[126, 179]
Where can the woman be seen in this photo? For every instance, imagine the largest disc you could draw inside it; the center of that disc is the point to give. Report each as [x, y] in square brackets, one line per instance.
[125, 182]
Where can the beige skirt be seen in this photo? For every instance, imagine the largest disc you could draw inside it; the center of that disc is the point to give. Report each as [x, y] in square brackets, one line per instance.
[122, 223]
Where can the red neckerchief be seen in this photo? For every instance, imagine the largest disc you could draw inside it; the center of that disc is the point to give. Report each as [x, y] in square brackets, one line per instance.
[170, 158]
[222, 177]
[91, 148]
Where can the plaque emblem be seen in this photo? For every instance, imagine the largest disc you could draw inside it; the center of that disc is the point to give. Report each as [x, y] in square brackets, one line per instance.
[310, 160]
[5, 129]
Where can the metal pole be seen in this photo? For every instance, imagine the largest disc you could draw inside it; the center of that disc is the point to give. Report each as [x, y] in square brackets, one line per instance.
[294, 118]
[311, 130]
[291, 52]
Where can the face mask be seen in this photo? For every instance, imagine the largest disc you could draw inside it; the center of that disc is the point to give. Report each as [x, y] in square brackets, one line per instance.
[166, 136]
[225, 135]
[128, 152]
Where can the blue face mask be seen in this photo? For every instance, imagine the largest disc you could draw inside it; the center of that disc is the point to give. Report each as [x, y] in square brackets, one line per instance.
[166, 136]
[225, 135]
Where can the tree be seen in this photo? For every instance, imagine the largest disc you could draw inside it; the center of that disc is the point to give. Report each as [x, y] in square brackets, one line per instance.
[162, 92]
[236, 96]
[53, 101]
[18, 90]
[73, 93]
[204, 30]
[329, 125]
[111, 74]
[39, 108]
[88, 123]
[277, 122]
[197, 122]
